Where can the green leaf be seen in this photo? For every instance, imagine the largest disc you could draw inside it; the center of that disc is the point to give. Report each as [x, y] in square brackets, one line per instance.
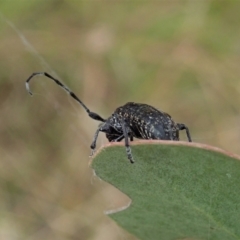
[178, 191]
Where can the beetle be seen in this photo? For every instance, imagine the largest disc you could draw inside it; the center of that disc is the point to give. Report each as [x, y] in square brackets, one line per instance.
[132, 120]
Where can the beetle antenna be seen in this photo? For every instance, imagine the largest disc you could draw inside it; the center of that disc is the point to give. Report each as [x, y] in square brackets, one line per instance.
[92, 115]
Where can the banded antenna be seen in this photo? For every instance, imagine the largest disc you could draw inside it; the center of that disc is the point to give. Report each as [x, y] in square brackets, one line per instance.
[92, 115]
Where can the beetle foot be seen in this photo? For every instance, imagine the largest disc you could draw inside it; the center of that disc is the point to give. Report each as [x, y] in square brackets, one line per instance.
[131, 159]
[129, 154]
[92, 153]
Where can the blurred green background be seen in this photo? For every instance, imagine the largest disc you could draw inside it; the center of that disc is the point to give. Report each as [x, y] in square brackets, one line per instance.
[179, 56]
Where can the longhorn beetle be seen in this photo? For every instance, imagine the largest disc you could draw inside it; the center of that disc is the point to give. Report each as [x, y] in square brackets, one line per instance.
[128, 121]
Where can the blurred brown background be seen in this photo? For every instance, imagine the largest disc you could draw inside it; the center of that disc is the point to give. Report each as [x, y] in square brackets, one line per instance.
[179, 56]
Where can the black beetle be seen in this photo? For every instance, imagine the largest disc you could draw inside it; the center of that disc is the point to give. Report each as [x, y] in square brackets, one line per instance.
[131, 120]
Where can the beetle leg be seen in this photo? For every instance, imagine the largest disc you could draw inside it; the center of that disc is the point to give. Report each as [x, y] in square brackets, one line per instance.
[120, 138]
[170, 132]
[182, 126]
[93, 145]
[131, 138]
[128, 149]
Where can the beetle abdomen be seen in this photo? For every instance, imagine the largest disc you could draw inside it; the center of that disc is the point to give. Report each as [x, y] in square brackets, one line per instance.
[146, 122]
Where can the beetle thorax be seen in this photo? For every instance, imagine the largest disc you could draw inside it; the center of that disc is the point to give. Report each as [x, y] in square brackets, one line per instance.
[112, 122]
